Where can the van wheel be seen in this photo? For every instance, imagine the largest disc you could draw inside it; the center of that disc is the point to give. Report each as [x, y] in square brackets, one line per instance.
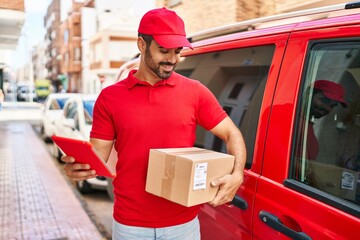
[84, 187]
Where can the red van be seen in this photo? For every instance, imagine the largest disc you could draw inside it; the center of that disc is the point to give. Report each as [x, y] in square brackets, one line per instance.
[292, 84]
[274, 77]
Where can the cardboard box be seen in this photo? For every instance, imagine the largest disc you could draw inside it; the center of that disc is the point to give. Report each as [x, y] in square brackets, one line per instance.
[335, 180]
[183, 175]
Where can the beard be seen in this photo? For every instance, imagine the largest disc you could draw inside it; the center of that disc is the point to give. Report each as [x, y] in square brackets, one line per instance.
[156, 67]
[319, 112]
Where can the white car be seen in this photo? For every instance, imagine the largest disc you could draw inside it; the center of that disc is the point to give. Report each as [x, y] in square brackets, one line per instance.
[26, 93]
[76, 122]
[52, 110]
[127, 67]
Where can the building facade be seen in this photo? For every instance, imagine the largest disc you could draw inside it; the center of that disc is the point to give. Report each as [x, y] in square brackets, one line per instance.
[204, 14]
[12, 18]
[114, 42]
[53, 42]
[87, 40]
[39, 62]
[71, 48]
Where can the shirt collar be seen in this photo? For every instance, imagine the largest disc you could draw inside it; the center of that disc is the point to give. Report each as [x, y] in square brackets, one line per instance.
[132, 81]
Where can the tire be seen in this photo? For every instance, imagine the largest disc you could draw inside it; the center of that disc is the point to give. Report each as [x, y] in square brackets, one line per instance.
[57, 153]
[84, 187]
[43, 136]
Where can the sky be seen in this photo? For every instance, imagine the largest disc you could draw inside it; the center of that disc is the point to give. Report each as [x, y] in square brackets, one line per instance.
[33, 31]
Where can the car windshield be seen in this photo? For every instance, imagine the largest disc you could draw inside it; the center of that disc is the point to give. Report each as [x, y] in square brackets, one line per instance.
[89, 107]
[57, 104]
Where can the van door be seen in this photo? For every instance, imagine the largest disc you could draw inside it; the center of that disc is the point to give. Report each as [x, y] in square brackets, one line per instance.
[310, 185]
[242, 74]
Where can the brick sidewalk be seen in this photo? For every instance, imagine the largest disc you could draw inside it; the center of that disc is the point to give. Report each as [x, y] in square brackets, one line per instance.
[36, 202]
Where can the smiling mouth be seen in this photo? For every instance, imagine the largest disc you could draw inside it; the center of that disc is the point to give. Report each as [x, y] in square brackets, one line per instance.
[168, 67]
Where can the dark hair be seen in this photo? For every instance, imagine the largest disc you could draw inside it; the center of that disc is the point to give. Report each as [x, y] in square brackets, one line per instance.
[147, 38]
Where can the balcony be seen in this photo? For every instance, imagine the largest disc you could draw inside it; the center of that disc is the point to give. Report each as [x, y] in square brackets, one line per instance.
[11, 22]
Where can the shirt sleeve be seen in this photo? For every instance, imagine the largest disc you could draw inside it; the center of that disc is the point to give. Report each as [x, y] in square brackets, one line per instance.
[102, 126]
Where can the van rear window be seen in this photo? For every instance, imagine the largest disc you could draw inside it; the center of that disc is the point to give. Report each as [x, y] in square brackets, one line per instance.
[237, 78]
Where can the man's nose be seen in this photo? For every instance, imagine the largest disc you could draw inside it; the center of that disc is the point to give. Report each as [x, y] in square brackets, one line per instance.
[172, 57]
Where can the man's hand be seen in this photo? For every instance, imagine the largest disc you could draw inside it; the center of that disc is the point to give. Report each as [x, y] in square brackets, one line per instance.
[235, 145]
[228, 185]
[77, 171]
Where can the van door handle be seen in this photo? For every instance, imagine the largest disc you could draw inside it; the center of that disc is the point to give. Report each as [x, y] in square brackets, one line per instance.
[239, 202]
[274, 222]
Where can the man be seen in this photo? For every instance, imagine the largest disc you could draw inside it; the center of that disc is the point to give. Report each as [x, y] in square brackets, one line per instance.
[154, 107]
[326, 96]
[61, 89]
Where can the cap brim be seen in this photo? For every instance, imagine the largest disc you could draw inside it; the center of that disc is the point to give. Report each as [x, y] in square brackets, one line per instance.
[336, 98]
[172, 41]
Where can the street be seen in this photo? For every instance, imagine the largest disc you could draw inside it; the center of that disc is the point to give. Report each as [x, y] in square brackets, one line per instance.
[97, 205]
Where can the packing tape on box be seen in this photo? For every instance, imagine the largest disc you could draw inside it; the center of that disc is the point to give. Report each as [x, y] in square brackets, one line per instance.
[169, 170]
[198, 151]
[168, 175]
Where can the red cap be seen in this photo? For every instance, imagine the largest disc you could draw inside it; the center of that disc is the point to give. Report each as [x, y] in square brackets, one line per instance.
[166, 27]
[331, 90]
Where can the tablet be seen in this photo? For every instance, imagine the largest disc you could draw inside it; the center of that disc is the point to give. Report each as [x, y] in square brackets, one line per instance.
[84, 152]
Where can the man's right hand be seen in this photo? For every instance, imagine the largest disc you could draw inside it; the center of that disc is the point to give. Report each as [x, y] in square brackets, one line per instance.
[77, 171]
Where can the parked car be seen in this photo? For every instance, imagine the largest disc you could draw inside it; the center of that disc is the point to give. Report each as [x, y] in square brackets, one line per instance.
[127, 67]
[26, 93]
[264, 73]
[76, 122]
[52, 110]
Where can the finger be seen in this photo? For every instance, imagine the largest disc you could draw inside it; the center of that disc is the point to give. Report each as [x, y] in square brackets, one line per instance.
[224, 195]
[76, 166]
[78, 171]
[81, 174]
[67, 159]
[218, 200]
[217, 182]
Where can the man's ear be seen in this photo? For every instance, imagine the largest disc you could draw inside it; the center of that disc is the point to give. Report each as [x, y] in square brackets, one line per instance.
[141, 44]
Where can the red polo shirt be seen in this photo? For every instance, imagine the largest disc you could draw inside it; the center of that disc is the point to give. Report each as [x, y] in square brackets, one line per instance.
[139, 117]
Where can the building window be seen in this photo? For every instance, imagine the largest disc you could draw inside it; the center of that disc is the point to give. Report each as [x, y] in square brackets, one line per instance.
[98, 53]
[66, 58]
[66, 36]
[53, 34]
[77, 52]
[115, 53]
[53, 52]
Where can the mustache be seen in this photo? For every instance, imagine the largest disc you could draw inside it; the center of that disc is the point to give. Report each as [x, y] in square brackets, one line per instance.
[167, 63]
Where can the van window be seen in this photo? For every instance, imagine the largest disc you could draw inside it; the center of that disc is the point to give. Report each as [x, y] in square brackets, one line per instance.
[326, 149]
[237, 78]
